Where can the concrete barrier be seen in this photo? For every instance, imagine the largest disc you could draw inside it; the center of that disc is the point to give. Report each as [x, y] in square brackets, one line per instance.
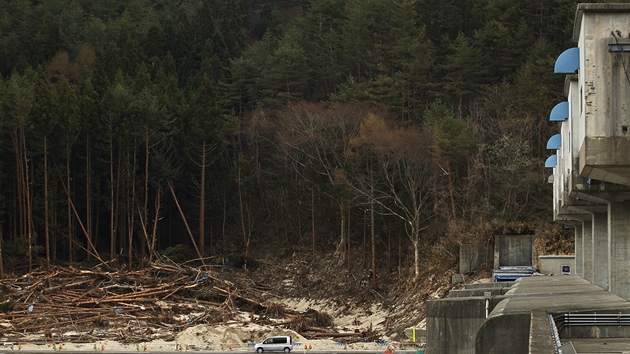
[452, 324]
[480, 292]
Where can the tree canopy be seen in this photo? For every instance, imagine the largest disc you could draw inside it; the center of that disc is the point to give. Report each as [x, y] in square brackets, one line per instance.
[130, 127]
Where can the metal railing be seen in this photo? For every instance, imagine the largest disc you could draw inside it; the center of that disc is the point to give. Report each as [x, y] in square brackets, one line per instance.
[554, 334]
[591, 319]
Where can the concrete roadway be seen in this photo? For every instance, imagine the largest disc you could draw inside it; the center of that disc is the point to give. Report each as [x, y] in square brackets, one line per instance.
[523, 316]
[566, 294]
[601, 345]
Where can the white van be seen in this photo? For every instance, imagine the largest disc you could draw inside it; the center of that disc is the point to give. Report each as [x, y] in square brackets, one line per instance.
[275, 344]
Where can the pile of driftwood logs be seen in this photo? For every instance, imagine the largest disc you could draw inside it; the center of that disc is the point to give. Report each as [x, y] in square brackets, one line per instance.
[156, 302]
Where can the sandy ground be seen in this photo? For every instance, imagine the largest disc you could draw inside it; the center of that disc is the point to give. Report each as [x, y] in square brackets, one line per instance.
[157, 346]
[241, 334]
[194, 339]
[114, 347]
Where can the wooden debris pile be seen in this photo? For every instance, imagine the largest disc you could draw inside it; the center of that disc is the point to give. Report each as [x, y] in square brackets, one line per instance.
[157, 302]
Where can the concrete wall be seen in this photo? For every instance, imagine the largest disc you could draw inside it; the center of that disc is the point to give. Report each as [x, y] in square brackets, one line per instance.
[551, 264]
[540, 340]
[573, 332]
[452, 324]
[471, 257]
[600, 250]
[504, 334]
[513, 250]
[505, 284]
[477, 292]
[619, 248]
[604, 150]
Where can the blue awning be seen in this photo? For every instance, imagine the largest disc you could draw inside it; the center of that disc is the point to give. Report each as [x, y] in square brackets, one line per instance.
[560, 112]
[568, 62]
[554, 142]
[552, 161]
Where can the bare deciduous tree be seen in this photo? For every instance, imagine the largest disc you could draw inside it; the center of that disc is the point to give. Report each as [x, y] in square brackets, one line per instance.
[399, 179]
[314, 138]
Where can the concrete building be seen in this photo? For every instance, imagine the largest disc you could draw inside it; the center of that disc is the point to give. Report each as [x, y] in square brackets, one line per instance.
[591, 167]
[588, 312]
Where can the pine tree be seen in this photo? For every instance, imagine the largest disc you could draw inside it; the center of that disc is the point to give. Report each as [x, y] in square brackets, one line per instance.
[464, 71]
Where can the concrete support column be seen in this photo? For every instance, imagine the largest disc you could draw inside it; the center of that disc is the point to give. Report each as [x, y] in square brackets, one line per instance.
[587, 250]
[600, 250]
[619, 243]
[579, 256]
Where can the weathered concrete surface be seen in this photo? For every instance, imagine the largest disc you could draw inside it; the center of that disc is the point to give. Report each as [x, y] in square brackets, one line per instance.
[504, 333]
[605, 147]
[552, 264]
[471, 256]
[517, 321]
[587, 249]
[600, 250]
[452, 324]
[601, 345]
[606, 158]
[539, 330]
[571, 333]
[619, 248]
[478, 292]
[539, 295]
[514, 250]
[579, 252]
[503, 284]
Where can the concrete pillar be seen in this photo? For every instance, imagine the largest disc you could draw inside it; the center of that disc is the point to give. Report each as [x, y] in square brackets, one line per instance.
[587, 250]
[579, 256]
[619, 243]
[600, 250]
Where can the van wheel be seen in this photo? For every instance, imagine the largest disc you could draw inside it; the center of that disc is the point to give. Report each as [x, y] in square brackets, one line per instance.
[260, 350]
[287, 350]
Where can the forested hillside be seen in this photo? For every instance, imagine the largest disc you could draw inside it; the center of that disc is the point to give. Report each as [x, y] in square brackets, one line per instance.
[382, 132]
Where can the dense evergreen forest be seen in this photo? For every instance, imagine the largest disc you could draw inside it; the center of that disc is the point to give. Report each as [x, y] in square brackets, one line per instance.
[239, 129]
